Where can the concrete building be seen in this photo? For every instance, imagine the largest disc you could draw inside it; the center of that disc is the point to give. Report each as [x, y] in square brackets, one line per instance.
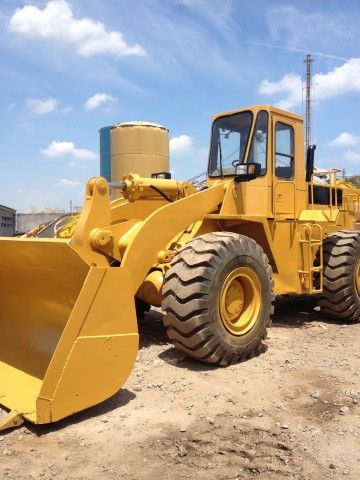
[7, 218]
[28, 221]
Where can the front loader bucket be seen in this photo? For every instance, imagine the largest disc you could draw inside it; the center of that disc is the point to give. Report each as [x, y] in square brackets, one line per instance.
[68, 330]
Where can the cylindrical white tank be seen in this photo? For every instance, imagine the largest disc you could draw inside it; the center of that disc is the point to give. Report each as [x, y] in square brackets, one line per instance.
[138, 147]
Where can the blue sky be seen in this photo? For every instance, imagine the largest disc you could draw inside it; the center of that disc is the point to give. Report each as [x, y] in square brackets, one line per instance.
[70, 67]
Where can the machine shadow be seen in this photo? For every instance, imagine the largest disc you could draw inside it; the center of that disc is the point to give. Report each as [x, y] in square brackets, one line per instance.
[174, 357]
[151, 329]
[291, 311]
[152, 332]
[299, 311]
[120, 399]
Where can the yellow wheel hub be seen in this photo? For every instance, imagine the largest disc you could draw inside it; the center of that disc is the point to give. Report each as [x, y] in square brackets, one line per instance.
[357, 278]
[240, 300]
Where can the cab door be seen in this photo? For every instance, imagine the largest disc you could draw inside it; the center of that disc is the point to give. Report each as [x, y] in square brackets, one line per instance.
[284, 187]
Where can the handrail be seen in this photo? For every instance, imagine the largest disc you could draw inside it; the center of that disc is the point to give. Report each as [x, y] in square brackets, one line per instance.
[333, 185]
[310, 270]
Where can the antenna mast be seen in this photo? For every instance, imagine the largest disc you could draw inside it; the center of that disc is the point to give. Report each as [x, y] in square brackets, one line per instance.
[308, 101]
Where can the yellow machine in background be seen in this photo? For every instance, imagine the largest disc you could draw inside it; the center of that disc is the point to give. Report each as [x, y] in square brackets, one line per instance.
[213, 259]
[62, 227]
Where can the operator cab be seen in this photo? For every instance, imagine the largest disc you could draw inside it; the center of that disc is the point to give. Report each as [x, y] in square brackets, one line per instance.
[262, 147]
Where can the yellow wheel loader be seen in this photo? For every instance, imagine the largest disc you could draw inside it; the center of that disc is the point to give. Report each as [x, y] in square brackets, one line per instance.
[213, 259]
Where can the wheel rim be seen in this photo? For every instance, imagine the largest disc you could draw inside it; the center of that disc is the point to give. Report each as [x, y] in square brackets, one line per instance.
[240, 300]
[357, 277]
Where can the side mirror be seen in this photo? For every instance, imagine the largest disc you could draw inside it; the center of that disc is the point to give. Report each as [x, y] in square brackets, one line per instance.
[247, 171]
[310, 162]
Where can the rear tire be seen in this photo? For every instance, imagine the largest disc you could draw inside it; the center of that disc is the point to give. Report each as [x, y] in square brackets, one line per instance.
[217, 296]
[341, 292]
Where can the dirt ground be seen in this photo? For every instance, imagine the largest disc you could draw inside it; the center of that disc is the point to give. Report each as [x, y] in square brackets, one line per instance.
[290, 413]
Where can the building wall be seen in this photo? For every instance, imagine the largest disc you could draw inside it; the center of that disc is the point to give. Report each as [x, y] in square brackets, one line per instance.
[28, 221]
[7, 221]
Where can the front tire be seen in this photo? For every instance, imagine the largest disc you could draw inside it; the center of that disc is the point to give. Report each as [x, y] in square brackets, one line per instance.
[217, 296]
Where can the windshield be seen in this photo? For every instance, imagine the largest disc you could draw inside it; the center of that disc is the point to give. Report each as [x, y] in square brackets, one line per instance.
[228, 143]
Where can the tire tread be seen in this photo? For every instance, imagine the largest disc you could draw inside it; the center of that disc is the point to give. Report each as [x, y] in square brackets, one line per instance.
[186, 292]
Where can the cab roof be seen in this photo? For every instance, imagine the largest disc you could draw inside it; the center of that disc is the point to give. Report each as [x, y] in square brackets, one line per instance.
[257, 108]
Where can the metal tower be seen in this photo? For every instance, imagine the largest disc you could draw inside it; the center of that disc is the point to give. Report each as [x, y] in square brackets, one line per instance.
[308, 101]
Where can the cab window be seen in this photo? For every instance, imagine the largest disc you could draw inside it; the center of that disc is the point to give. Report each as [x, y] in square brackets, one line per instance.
[230, 135]
[258, 152]
[284, 151]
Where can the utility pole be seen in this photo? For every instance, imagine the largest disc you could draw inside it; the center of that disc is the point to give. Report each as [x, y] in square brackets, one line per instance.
[308, 101]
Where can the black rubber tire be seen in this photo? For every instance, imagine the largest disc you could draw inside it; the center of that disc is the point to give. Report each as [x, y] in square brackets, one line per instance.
[191, 294]
[340, 297]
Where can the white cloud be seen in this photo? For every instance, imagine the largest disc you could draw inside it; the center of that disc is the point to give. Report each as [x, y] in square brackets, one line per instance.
[27, 126]
[351, 156]
[41, 106]
[290, 84]
[97, 100]
[71, 164]
[341, 80]
[201, 156]
[295, 27]
[181, 145]
[64, 182]
[62, 149]
[346, 139]
[294, 49]
[56, 22]
[66, 110]
[344, 79]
